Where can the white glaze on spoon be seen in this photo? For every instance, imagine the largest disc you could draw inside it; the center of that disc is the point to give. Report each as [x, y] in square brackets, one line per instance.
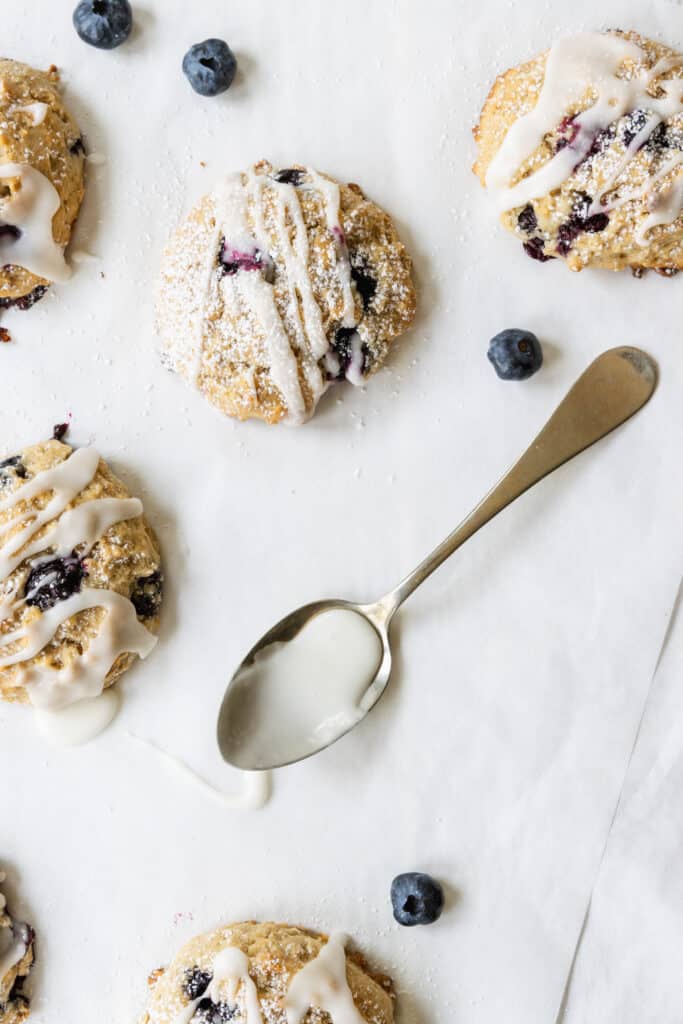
[297, 695]
[31, 209]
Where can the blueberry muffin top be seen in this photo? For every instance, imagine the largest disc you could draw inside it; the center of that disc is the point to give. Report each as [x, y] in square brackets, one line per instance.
[253, 973]
[277, 284]
[581, 150]
[16, 960]
[80, 576]
[41, 182]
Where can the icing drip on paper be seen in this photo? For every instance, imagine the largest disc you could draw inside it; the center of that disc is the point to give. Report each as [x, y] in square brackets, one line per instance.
[29, 211]
[63, 529]
[257, 785]
[593, 62]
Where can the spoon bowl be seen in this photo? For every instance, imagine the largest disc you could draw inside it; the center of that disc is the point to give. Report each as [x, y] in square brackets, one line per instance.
[300, 689]
[240, 709]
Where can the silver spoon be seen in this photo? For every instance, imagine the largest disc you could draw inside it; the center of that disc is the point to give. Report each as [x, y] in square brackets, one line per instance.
[614, 387]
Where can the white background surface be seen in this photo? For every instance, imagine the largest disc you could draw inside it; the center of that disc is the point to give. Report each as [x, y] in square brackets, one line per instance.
[497, 759]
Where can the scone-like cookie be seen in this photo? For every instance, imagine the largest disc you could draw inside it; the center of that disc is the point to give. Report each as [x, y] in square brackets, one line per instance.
[277, 284]
[582, 152]
[268, 974]
[16, 960]
[41, 182]
[80, 578]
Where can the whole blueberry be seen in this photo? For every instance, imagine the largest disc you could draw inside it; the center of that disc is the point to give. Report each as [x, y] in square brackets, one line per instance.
[515, 354]
[416, 899]
[103, 23]
[210, 67]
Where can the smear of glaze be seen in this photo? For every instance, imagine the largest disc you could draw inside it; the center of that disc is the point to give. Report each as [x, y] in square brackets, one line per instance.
[79, 723]
[256, 790]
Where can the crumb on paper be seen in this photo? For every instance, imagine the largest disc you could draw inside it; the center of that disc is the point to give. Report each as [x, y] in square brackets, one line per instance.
[154, 976]
[60, 429]
[5, 336]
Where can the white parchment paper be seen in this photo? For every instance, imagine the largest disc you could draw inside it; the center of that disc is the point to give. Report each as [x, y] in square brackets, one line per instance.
[497, 758]
[628, 963]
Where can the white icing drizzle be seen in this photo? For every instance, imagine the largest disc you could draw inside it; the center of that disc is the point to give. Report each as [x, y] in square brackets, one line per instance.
[31, 209]
[254, 291]
[254, 795]
[323, 984]
[241, 195]
[591, 62]
[37, 112]
[81, 526]
[332, 196]
[230, 971]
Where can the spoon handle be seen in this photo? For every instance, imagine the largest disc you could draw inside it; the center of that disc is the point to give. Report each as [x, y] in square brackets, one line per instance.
[614, 387]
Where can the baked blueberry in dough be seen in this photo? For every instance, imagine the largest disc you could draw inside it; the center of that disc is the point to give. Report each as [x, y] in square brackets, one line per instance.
[16, 960]
[581, 150]
[80, 576]
[269, 973]
[277, 284]
[41, 182]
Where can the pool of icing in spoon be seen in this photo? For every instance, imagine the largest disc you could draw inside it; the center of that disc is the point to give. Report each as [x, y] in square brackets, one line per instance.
[298, 696]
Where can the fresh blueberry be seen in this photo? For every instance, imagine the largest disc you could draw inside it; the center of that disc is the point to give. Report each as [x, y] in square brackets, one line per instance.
[196, 982]
[290, 176]
[103, 23]
[515, 354]
[147, 595]
[54, 581]
[366, 284]
[24, 301]
[10, 231]
[210, 67]
[527, 221]
[416, 899]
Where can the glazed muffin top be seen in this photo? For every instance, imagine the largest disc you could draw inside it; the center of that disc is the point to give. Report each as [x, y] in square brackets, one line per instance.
[41, 181]
[277, 284]
[581, 150]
